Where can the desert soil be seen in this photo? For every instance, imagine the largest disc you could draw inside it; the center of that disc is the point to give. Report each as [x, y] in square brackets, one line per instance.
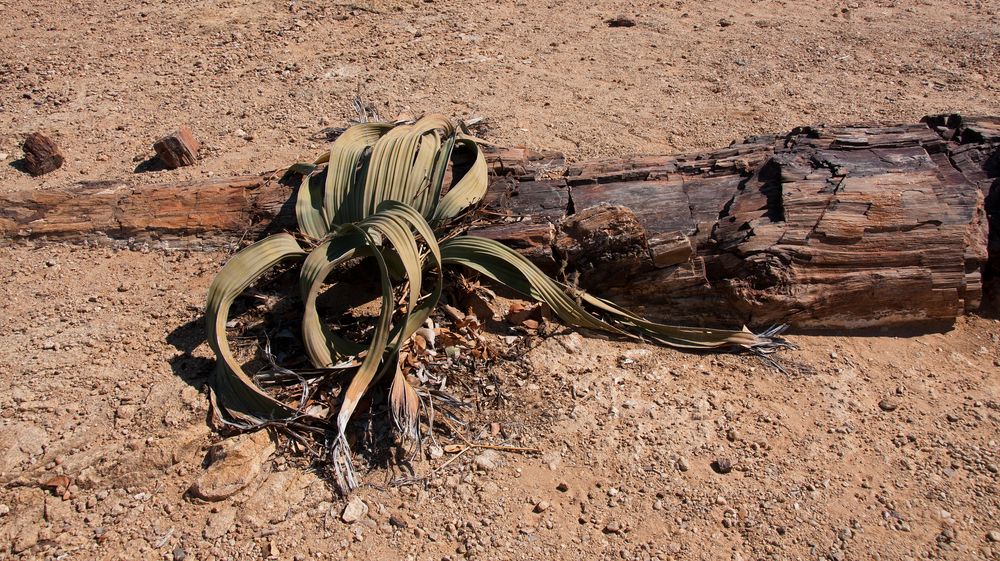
[860, 447]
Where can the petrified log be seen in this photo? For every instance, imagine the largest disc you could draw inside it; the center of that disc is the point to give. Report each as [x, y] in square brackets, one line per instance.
[825, 227]
[197, 214]
[201, 213]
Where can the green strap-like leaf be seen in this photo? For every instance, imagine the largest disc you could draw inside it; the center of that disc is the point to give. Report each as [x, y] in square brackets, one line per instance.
[510, 268]
[344, 189]
[379, 341]
[470, 189]
[322, 345]
[437, 179]
[236, 394]
[404, 162]
[309, 209]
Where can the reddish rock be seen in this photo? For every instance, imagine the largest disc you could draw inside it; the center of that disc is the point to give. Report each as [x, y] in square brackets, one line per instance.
[41, 155]
[179, 148]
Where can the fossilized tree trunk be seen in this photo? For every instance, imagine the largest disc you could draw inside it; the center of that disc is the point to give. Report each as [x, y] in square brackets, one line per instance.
[824, 227]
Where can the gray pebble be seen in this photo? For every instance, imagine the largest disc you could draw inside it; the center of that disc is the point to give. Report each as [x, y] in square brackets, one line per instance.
[888, 404]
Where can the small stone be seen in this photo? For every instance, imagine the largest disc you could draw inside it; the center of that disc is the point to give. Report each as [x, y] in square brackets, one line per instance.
[951, 417]
[3, 156]
[724, 22]
[732, 435]
[355, 510]
[722, 465]
[541, 506]
[435, 451]
[179, 554]
[993, 536]
[888, 404]
[621, 21]
[49, 345]
[397, 522]
[562, 487]
[572, 342]
[682, 464]
[487, 461]
[4, 509]
[613, 527]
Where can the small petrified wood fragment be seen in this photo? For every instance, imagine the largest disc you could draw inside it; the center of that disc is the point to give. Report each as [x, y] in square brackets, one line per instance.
[179, 148]
[41, 155]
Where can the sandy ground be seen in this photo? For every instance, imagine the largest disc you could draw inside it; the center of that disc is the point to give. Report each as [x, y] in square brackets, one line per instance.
[863, 448]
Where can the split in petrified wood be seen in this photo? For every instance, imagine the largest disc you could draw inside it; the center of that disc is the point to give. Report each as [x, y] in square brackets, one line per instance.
[825, 227]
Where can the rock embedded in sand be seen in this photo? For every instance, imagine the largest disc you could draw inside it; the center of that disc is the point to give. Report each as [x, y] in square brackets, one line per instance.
[487, 461]
[621, 21]
[888, 404]
[722, 465]
[234, 464]
[355, 510]
[219, 523]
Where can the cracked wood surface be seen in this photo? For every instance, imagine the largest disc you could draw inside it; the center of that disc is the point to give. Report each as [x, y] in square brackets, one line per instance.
[825, 227]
